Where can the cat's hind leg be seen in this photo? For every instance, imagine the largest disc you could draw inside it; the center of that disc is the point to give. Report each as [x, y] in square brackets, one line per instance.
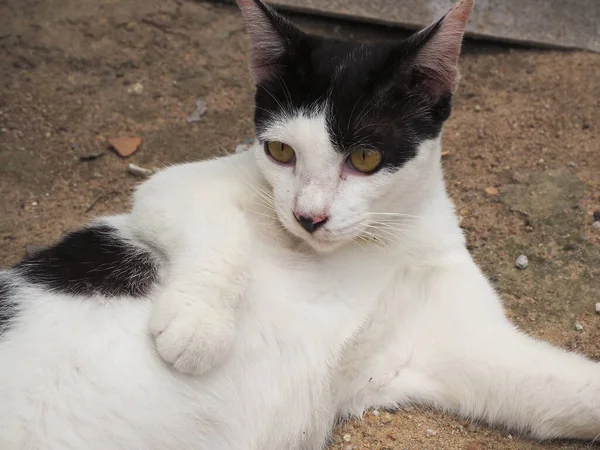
[454, 350]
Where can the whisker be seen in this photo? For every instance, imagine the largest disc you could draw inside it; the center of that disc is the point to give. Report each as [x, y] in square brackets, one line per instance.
[401, 226]
[356, 241]
[273, 97]
[594, 440]
[286, 91]
[396, 238]
[374, 241]
[465, 204]
[391, 214]
[384, 226]
[352, 112]
[364, 113]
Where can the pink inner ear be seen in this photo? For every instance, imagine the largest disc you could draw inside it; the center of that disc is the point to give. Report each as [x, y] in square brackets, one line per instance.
[267, 45]
[440, 54]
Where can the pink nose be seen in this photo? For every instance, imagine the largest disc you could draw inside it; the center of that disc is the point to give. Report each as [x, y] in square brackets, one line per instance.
[310, 224]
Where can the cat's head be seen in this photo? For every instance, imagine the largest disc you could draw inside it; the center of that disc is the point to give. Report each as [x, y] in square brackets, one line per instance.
[348, 131]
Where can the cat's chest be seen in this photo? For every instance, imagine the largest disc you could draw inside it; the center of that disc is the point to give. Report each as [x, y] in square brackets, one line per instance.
[316, 292]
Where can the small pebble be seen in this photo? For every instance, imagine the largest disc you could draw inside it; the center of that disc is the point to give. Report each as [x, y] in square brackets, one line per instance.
[598, 308]
[347, 437]
[138, 171]
[491, 191]
[522, 262]
[387, 418]
[477, 108]
[241, 148]
[578, 326]
[201, 108]
[244, 145]
[137, 89]
[510, 436]
[431, 432]
[571, 164]
[376, 411]
[596, 225]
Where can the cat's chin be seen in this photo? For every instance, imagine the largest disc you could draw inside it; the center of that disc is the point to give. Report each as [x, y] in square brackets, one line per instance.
[324, 246]
[320, 244]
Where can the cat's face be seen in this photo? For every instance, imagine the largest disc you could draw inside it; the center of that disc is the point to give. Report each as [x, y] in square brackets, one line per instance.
[343, 127]
[319, 196]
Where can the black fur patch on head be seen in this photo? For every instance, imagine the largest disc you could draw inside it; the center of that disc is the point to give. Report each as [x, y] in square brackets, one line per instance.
[372, 94]
[93, 260]
[8, 308]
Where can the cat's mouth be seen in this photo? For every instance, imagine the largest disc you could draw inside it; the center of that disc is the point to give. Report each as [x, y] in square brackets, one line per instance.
[325, 239]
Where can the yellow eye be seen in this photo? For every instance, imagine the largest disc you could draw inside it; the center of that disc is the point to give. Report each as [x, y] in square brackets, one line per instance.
[365, 161]
[280, 152]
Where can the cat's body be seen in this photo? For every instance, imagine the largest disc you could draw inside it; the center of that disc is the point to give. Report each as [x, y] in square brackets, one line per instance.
[367, 298]
[279, 388]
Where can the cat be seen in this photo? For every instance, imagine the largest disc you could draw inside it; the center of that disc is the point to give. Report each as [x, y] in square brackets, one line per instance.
[249, 301]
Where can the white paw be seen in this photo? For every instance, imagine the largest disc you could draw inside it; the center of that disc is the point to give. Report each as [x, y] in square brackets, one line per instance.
[190, 333]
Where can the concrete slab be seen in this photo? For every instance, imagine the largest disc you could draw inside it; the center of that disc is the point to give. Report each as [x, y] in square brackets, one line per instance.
[547, 23]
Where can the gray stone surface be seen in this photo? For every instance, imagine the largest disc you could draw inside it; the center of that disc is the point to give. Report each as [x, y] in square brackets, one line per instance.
[548, 23]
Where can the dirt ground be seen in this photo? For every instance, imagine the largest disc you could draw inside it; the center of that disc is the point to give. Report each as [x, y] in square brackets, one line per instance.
[74, 73]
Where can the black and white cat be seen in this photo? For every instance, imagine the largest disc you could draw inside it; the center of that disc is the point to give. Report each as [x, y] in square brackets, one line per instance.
[319, 274]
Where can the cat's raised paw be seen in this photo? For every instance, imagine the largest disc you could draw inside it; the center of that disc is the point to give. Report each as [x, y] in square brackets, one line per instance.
[192, 336]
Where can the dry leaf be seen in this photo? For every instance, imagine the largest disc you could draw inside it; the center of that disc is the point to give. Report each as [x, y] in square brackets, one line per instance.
[125, 146]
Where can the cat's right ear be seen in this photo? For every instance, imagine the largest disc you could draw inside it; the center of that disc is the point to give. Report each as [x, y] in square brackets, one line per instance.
[270, 38]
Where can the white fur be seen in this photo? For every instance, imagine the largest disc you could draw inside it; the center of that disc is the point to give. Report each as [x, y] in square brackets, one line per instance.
[295, 334]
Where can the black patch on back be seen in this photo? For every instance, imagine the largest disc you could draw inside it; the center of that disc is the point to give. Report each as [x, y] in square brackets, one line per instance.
[8, 308]
[374, 96]
[93, 260]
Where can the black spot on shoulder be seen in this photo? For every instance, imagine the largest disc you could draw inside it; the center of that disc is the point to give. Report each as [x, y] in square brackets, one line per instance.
[7, 305]
[93, 260]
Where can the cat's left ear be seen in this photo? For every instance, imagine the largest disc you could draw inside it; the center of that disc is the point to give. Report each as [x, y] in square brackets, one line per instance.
[271, 38]
[435, 58]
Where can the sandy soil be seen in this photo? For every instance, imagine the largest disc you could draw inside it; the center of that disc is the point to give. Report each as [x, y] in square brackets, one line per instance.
[526, 122]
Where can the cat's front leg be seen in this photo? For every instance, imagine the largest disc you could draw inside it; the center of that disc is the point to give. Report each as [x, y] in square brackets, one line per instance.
[194, 315]
[194, 215]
